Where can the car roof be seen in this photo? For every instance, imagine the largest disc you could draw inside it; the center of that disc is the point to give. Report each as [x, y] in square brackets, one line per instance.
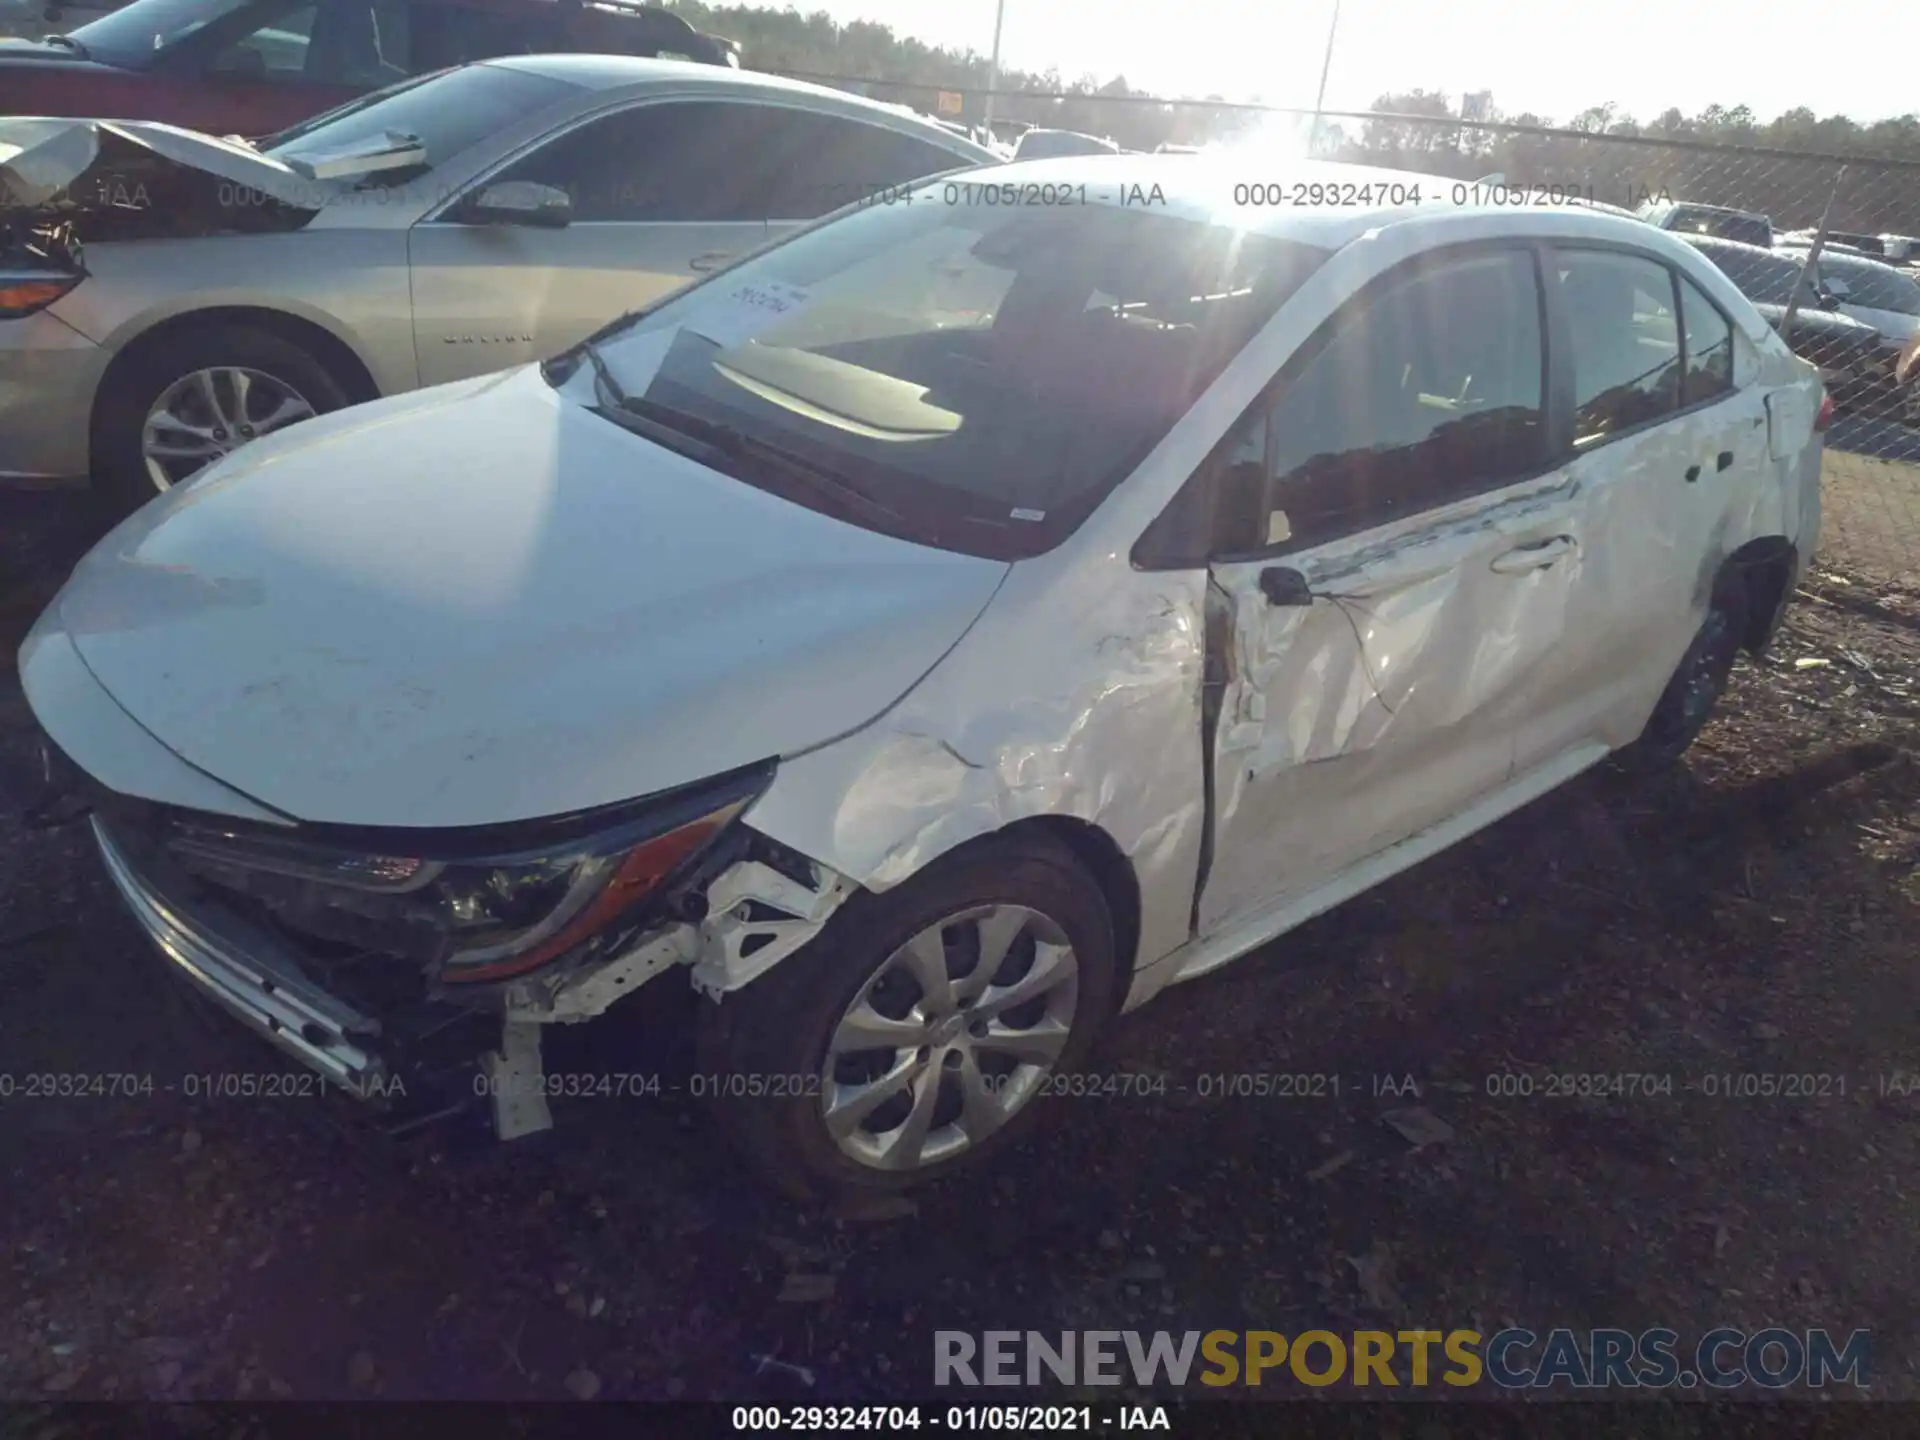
[636, 73]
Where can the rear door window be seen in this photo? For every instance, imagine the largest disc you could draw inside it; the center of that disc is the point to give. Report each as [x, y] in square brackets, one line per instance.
[1625, 340]
[1709, 337]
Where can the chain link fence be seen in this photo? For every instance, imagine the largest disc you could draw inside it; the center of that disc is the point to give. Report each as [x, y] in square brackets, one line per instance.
[1871, 479]
[1853, 313]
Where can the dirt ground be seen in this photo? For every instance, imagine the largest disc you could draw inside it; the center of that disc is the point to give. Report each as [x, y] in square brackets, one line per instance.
[1754, 913]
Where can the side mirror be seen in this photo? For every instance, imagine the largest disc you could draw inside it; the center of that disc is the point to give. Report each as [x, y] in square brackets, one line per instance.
[1838, 288]
[519, 202]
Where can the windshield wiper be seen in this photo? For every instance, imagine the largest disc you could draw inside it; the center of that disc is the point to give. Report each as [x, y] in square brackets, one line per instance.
[676, 428]
[606, 332]
[67, 42]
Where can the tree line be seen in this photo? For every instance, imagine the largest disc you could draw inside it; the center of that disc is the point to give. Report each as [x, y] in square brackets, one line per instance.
[1599, 152]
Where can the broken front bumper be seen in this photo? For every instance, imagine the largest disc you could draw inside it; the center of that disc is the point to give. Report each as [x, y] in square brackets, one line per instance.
[254, 978]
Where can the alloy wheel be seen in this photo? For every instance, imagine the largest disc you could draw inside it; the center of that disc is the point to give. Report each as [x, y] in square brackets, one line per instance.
[952, 1036]
[210, 413]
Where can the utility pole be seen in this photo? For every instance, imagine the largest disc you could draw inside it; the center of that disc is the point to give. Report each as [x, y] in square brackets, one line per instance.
[993, 65]
[1320, 100]
[1805, 284]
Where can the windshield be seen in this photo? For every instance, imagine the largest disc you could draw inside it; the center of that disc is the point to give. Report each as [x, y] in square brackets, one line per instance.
[987, 374]
[137, 33]
[1874, 286]
[1727, 224]
[446, 112]
[1049, 144]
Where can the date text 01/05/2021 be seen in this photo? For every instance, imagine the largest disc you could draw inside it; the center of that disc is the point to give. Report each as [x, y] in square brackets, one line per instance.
[196, 1085]
[906, 1419]
[1006, 194]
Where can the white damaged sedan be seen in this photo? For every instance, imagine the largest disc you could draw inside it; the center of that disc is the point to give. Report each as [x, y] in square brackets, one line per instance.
[932, 636]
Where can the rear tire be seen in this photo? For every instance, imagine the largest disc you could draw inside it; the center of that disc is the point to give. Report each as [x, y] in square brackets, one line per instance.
[122, 475]
[1697, 683]
[788, 1033]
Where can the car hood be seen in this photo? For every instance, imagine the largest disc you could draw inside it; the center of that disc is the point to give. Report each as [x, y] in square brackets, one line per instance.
[139, 179]
[482, 603]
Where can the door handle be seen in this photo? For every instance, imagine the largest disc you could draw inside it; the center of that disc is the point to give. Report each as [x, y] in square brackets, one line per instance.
[711, 260]
[1725, 461]
[1537, 556]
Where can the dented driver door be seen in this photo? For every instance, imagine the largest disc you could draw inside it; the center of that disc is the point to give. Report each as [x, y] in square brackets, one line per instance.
[1384, 701]
[1379, 630]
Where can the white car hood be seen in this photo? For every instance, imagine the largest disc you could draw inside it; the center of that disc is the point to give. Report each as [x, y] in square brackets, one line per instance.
[482, 603]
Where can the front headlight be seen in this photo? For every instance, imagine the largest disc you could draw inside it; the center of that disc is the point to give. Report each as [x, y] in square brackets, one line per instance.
[471, 907]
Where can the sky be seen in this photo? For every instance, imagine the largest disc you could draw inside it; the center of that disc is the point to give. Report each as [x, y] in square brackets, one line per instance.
[1553, 60]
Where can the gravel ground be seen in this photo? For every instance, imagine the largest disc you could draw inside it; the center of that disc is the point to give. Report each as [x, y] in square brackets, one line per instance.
[1752, 913]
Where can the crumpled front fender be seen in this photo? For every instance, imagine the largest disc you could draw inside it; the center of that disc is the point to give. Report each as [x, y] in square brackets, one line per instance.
[1077, 694]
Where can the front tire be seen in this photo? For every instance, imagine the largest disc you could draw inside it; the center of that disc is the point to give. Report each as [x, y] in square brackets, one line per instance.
[194, 397]
[917, 1034]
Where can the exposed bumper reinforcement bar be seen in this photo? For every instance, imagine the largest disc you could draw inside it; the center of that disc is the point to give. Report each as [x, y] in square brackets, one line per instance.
[251, 976]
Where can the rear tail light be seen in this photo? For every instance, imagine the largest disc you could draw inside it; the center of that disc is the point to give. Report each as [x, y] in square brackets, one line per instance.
[22, 292]
[1825, 417]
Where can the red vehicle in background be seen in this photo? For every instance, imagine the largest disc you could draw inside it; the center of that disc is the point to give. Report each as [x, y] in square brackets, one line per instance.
[252, 67]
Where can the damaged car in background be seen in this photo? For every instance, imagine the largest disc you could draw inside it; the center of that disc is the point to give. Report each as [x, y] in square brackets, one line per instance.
[930, 639]
[250, 67]
[169, 297]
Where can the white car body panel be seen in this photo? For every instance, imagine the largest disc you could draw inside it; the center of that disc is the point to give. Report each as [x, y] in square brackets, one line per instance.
[327, 597]
[576, 617]
[942, 769]
[106, 742]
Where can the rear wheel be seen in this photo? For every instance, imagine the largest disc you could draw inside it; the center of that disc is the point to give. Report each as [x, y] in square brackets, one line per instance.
[1697, 683]
[196, 397]
[917, 1034]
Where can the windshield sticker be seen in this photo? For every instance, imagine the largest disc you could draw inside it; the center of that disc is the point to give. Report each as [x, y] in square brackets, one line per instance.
[1029, 515]
[735, 317]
